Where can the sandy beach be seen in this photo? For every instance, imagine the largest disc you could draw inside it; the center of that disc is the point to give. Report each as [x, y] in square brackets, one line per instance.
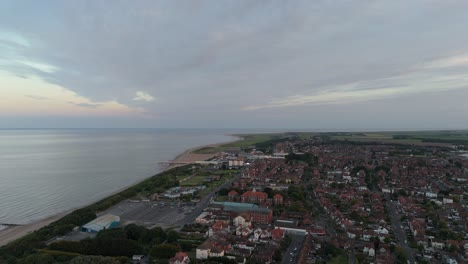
[15, 232]
[190, 155]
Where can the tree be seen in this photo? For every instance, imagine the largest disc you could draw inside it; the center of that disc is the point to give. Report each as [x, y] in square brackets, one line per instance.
[285, 242]
[117, 247]
[268, 191]
[37, 259]
[296, 206]
[134, 232]
[164, 251]
[94, 260]
[111, 233]
[155, 235]
[223, 191]
[70, 246]
[400, 255]
[277, 256]
[172, 236]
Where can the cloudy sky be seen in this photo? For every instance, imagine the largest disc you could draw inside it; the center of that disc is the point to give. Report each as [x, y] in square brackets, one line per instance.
[234, 64]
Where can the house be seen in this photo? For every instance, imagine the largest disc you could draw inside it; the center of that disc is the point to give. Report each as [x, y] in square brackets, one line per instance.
[381, 231]
[278, 199]
[180, 258]
[266, 255]
[210, 232]
[261, 215]
[203, 251]
[213, 247]
[387, 190]
[369, 250]
[220, 225]
[277, 234]
[431, 195]
[241, 220]
[138, 257]
[233, 196]
[447, 201]
[253, 197]
[256, 213]
[417, 226]
[243, 231]
[317, 231]
[216, 252]
[367, 235]
[204, 219]
[438, 244]
[351, 235]
[265, 235]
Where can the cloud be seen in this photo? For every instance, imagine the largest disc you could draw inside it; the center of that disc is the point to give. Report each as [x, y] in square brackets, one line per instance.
[415, 83]
[142, 96]
[46, 68]
[37, 97]
[86, 105]
[455, 61]
[9, 37]
[235, 55]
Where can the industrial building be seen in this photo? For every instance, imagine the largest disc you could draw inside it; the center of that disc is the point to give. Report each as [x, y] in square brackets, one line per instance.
[103, 222]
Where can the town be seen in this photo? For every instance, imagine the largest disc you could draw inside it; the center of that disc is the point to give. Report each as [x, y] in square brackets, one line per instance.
[297, 199]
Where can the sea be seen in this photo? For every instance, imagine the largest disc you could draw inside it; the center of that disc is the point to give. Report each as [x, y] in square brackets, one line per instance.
[46, 172]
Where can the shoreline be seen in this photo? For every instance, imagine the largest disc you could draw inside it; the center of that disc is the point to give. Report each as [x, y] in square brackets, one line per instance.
[12, 233]
[16, 232]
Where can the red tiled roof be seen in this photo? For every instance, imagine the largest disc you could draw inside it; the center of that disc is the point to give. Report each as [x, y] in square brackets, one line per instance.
[254, 194]
[179, 257]
[277, 233]
[278, 196]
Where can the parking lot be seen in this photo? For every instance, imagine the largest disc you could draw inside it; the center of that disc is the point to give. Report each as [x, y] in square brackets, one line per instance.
[151, 214]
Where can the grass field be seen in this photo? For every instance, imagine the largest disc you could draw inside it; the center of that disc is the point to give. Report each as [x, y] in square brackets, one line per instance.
[247, 140]
[191, 180]
[405, 137]
[433, 137]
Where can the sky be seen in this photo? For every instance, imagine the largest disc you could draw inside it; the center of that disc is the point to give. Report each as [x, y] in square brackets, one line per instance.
[312, 65]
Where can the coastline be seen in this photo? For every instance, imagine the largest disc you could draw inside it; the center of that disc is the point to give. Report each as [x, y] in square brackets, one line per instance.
[15, 232]
[12, 233]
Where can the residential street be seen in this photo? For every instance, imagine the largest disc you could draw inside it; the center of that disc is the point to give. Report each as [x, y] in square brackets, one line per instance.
[290, 257]
[400, 234]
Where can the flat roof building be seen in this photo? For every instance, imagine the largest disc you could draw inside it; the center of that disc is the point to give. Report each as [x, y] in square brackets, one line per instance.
[103, 222]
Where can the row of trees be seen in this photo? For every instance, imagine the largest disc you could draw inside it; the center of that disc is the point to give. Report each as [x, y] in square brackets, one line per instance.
[308, 158]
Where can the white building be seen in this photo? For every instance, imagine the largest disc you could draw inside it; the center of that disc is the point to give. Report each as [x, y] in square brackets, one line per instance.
[431, 195]
[447, 201]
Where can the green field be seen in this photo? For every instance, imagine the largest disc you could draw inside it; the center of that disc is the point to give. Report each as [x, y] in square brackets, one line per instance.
[404, 137]
[439, 137]
[247, 141]
[193, 181]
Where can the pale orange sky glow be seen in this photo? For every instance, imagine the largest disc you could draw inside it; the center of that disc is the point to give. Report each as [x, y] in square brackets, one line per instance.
[33, 96]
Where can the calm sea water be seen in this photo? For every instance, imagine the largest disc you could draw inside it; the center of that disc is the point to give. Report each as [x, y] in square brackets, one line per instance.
[45, 172]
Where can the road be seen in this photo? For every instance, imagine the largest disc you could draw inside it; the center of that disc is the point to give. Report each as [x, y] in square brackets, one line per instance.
[400, 234]
[297, 242]
[205, 201]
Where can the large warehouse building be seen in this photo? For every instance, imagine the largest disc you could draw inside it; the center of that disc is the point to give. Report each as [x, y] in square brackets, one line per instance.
[103, 222]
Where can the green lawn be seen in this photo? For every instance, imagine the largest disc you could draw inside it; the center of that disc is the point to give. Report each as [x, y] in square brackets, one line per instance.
[193, 181]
